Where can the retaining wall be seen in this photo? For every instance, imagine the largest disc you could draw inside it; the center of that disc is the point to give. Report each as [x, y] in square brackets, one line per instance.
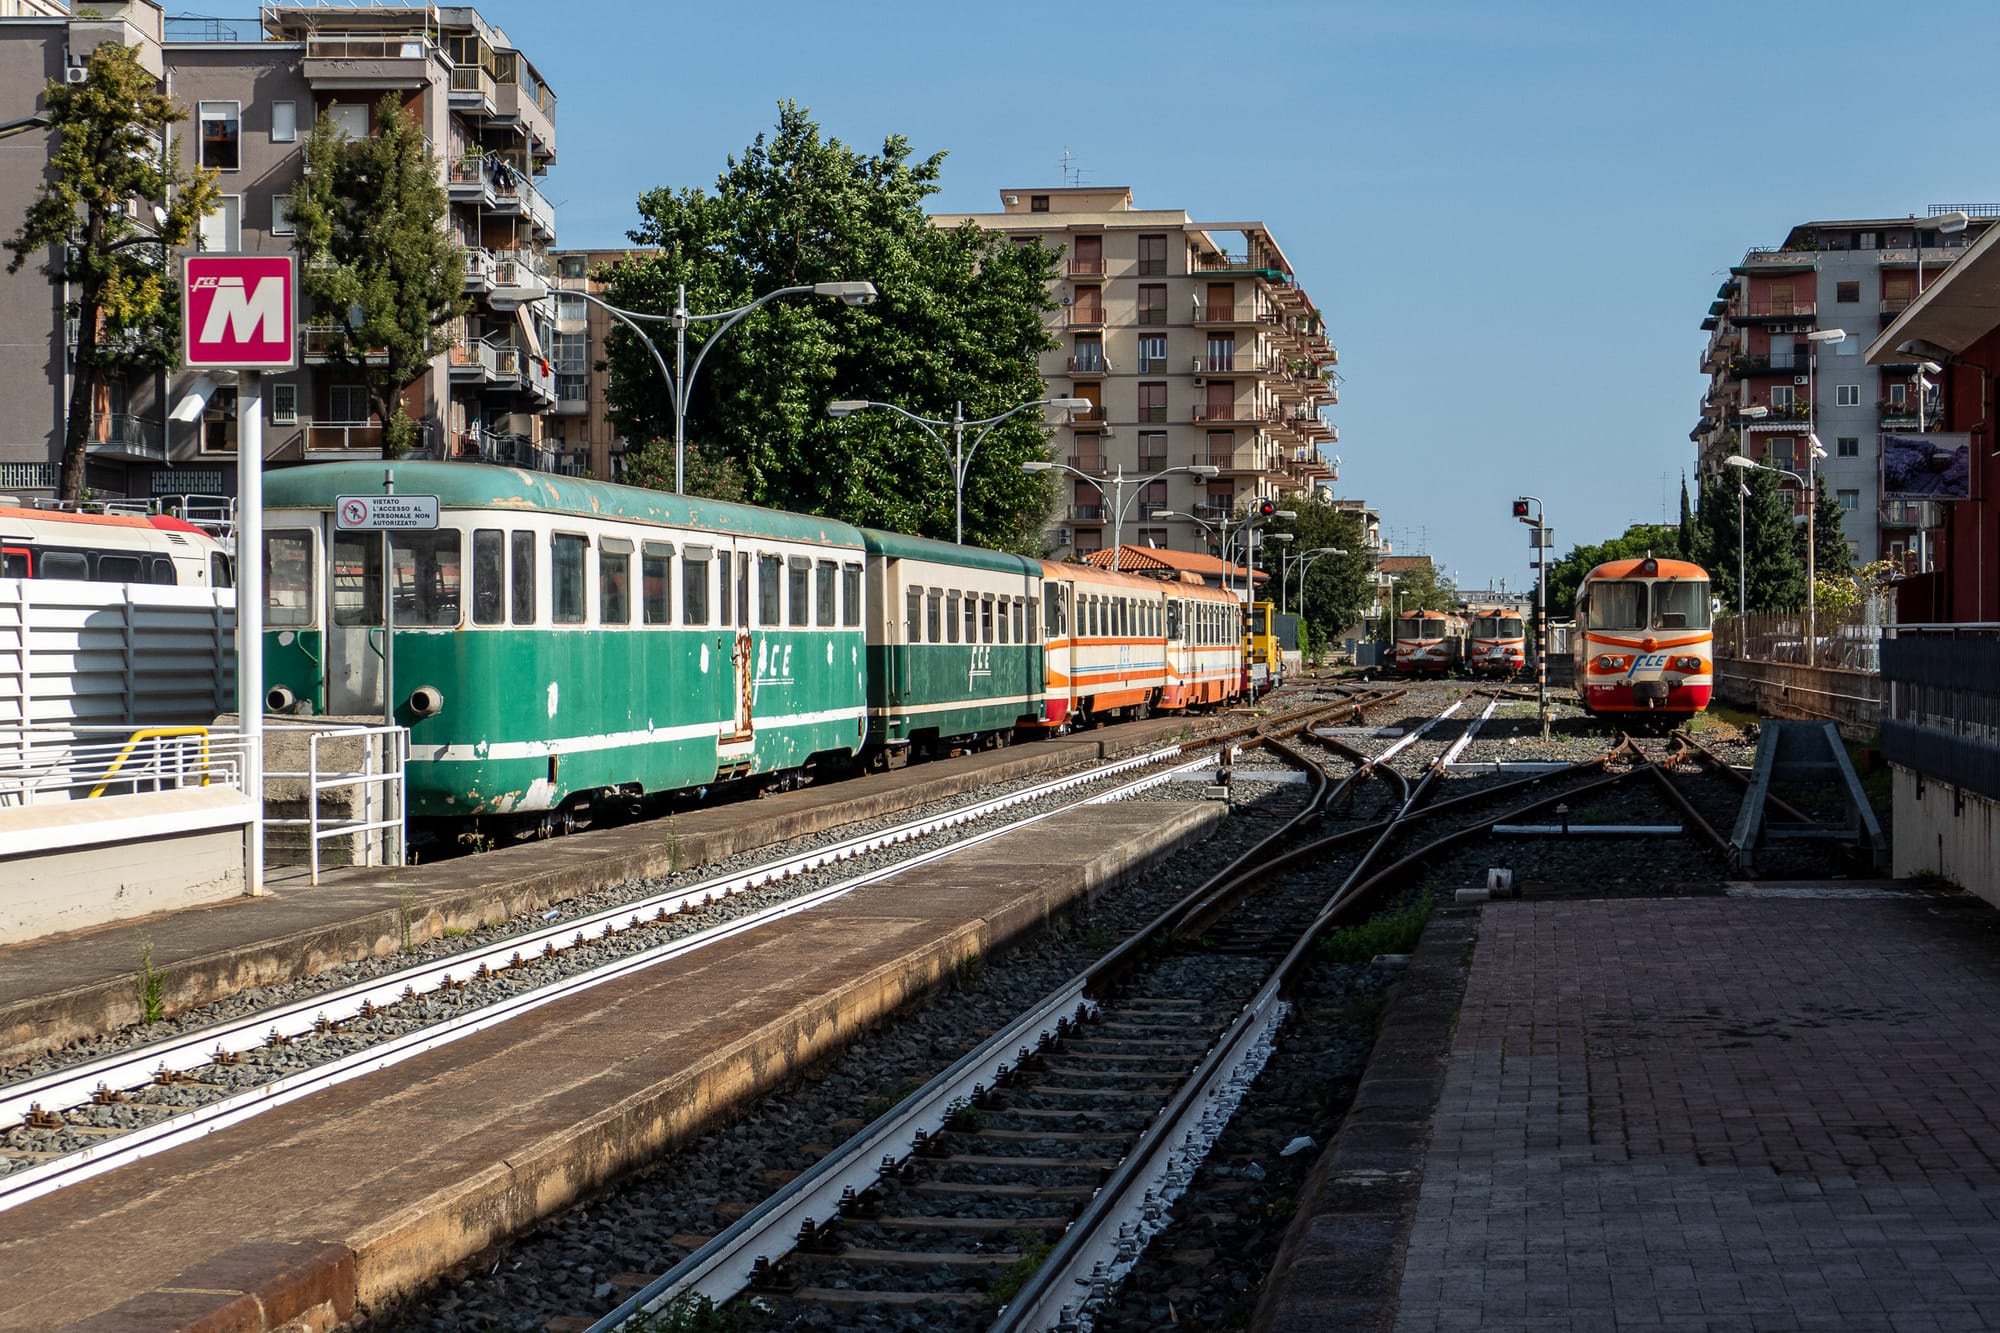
[1850, 699]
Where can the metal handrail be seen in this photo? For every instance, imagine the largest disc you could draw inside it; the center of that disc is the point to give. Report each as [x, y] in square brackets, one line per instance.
[390, 777]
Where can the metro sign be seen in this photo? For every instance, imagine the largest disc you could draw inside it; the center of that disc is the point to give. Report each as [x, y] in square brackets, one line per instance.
[240, 312]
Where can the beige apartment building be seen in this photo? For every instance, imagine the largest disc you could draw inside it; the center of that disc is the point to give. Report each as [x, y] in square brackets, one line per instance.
[254, 89]
[1196, 347]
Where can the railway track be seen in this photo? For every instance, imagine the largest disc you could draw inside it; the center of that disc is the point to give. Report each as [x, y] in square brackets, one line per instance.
[71, 1123]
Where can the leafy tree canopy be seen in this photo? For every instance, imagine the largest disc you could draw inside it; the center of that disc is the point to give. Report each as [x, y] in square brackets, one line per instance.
[1772, 545]
[958, 320]
[1421, 588]
[1639, 540]
[379, 268]
[116, 201]
[1329, 592]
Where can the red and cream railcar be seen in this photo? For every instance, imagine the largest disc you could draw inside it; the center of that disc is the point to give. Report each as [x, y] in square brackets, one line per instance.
[1115, 645]
[109, 548]
[1499, 642]
[1429, 643]
[1643, 642]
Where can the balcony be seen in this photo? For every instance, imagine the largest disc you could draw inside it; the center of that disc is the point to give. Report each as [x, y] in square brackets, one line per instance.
[1224, 317]
[472, 90]
[516, 196]
[320, 343]
[1083, 317]
[1227, 265]
[1086, 513]
[122, 437]
[517, 278]
[1767, 309]
[478, 269]
[1084, 268]
[1094, 363]
[1091, 416]
[472, 180]
[334, 438]
[1901, 415]
[538, 378]
[531, 106]
[1094, 464]
[1796, 410]
[1232, 414]
[338, 60]
[475, 362]
[1778, 363]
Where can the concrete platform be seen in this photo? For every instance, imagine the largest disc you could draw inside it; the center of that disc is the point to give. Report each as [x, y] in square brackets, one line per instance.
[57, 990]
[347, 1200]
[1767, 1111]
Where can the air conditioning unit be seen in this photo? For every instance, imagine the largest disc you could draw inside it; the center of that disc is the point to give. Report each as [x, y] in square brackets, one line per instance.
[1197, 365]
[1801, 380]
[1067, 299]
[1063, 535]
[1199, 382]
[76, 74]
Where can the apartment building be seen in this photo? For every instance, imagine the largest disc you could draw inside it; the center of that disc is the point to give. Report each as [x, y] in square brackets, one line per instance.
[253, 91]
[1195, 346]
[1854, 275]
[581, 426]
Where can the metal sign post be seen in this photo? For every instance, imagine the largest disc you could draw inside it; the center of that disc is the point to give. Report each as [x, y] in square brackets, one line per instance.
[240, 312]
[386, 513]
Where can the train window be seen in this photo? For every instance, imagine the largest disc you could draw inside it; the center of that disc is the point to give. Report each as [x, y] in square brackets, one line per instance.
[118, 569]
[160, 569]
[722, 593]
[1618, 606]
[743, 590]
[850, 595]
[489, 576]
[934, 616]
[825, 589]
[1022, 620]
[14, 563]
[566, 556]
[971, 618]
[913, 615]
[694, 585]
[614, 581]
[798, 591]
[951, 617]
[656, 592]
[427, 577]
[1678, 605]
[288, 578]
[64, 565]
[221, 574]
[770, 584]
[985, 619]
[1052, 616]
[1000, 620]
[357, 579]
[521, 568]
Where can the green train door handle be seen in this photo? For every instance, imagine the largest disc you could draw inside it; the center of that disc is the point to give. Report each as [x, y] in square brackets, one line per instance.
[379, 650]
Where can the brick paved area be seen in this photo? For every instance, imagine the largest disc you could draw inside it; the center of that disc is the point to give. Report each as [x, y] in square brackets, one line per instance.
[1743, 1113]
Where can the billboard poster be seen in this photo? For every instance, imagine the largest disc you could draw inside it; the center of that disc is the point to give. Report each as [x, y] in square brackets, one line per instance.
[1933, 466]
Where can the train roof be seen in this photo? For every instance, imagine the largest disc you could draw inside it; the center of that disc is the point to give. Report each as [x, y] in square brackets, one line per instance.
[1096, 576]
[896, 546]
[1636, 569]
[1422, 613]
[154, 522]
[484, 486]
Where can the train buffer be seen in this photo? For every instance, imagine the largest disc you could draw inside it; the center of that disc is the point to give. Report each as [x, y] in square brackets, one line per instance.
[1804, 753]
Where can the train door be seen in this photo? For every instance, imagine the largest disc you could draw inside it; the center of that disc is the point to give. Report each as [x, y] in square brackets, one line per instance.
[354, 636]
[740, 681]
[1059, 650]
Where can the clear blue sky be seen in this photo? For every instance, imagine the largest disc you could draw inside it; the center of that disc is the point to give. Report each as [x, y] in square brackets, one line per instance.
[1513, 214]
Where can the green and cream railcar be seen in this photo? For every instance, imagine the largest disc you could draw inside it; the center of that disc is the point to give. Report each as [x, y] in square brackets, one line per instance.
[954, 649]
[557, 640]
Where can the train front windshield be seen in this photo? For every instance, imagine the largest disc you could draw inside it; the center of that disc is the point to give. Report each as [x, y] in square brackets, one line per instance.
[1497, 627]
[1635, 604]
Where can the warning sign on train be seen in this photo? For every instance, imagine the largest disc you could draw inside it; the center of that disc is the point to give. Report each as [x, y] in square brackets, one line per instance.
[377, 513]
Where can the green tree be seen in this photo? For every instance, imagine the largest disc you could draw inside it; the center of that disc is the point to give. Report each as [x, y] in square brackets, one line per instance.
[1688, 540]
[1638, 541]
[1830, 551]
[112, 151]
[1773, 551]
[959, 319]
[1421, 588]
[1331, 592]
[379, 267]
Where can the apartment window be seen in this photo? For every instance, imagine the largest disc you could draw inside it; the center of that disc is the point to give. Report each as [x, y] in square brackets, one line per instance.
[347, 405]
[1847, 293]
[1152, 353]
[1152, 449]
[1847, 446]
[1847, 395]
[1866, 241]
[1153, 402]
[1221, 448]
[281, 215]
[573, 266]
[1781, 395]
[284, 122]
[1153, 303]
[1152, 497]
[1849, 500]
[223, 229]
[1899, 394]
[1090, 356]
[350, 118]
[1221, 352]
[1781, 453]
[1153, 537]
[1896, 289]
[1087, 256]
[1222, 496]
[221, 135]
[1152, 256]
[284, 404]
[1038, 203]
[218, 421]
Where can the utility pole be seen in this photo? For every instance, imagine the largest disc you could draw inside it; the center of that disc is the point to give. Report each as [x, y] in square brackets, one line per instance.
[1540, 539]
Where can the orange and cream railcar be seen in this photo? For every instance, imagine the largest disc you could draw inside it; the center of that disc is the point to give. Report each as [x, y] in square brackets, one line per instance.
[1115, 645]
[1429, 643]
[1499, 643]
[1643, 642]
[109, 548]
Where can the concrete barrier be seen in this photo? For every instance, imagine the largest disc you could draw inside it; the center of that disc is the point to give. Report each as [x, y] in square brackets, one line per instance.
[1852, 700]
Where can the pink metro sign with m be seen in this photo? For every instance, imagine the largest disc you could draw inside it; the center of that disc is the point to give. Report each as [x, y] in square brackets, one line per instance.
[240, 312]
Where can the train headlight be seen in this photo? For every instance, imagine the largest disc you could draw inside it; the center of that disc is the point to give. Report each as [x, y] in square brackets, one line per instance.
[1610, 662]
[1691, 665]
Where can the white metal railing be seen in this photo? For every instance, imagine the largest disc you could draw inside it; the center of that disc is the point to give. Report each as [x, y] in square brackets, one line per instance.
[378, 804]
[48, 765]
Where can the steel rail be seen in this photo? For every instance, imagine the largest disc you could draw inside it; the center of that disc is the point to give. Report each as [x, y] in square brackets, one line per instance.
[201, 1121]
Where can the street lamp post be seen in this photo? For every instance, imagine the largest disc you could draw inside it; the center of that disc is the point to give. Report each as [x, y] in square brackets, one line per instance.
[1116, 500]
[1227, 539]
[678, 379]
[1813, 454]
[1743, 493]
[1738, 460]
[1305, 562]
[1284, 540]
[959, 458]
